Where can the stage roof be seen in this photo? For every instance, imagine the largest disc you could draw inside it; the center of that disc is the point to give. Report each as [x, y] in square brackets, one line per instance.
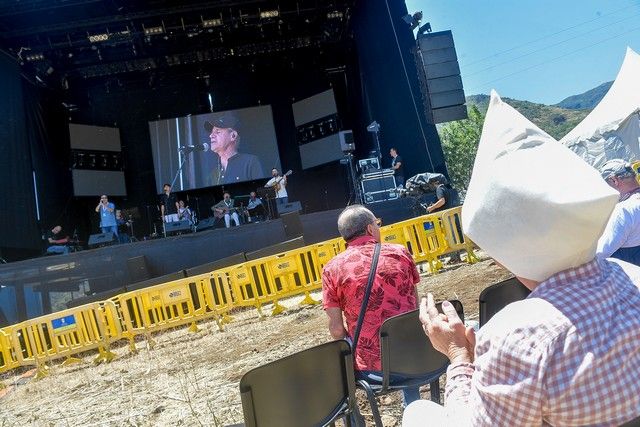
[65, 39]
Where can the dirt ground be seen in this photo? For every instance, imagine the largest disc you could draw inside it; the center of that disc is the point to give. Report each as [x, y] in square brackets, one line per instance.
[192, 379]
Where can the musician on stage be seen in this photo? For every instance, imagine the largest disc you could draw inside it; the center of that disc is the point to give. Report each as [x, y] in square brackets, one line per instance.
[184, 213]
[168, 205]
[123, 227]
[57, 243]
[255, 208]
[107, 211]
[226, 208]
[279, 183]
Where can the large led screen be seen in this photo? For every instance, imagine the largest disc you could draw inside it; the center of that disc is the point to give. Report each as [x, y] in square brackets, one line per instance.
[217, 148]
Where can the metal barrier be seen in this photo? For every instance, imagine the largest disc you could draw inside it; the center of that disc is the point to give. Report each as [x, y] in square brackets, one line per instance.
[65, 333]
[423, 237]
[162, 306]
[456, 240]
[211, 295]
[7, 355]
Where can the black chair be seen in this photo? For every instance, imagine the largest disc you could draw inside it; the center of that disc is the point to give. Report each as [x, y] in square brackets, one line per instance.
[407, 352]
[633, 423]
[314, 387]
[498, 296]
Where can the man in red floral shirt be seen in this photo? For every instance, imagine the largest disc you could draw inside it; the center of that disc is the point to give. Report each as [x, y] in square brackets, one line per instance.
[344, 281]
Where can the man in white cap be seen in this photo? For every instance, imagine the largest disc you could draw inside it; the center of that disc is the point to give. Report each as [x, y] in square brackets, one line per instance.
[569, 353]
[621, 237]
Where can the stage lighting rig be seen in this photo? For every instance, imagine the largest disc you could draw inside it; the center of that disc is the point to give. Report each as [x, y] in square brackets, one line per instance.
[210, 23]
[336, 14]
[34, 57]
[153, 31]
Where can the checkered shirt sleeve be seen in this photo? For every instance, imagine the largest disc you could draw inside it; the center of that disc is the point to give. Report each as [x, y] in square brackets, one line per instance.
[567, 355]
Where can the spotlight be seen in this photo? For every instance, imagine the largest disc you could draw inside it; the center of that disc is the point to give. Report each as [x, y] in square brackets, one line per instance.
[268, 14]
[97, 38]
[413, 20]
[336, 14]
[208, 23]
[34, 57]
[149, 31]
[426, 28]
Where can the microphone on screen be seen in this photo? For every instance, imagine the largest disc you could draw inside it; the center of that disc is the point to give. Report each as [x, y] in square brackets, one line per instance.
[192, 148]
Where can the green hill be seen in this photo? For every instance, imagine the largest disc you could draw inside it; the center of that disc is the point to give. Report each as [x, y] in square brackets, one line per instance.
[586, 100]
[554, 120]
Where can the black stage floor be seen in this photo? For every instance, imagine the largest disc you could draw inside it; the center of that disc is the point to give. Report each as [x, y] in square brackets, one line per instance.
[34, 287]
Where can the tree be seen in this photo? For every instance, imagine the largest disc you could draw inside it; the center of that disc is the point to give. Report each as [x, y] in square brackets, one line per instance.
[460, 143]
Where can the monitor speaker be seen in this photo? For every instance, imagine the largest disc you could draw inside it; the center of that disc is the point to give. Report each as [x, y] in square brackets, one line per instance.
[206, 224]
[177, 226]
[292, 225]
[288, 207]
[102, 239]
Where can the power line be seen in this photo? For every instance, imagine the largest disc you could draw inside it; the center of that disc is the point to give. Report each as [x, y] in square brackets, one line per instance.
[549, 35]
[556, 58]
[551, 45]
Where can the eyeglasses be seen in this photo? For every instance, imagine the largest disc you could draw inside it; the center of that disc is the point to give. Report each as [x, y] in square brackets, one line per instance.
[378, 222]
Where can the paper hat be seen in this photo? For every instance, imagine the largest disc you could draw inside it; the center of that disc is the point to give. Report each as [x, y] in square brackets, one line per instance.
[532, 204]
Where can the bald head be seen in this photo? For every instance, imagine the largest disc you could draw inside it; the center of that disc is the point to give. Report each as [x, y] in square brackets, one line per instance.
[354, 221]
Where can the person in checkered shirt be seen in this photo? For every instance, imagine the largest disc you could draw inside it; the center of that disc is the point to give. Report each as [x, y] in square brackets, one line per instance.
[569, 354]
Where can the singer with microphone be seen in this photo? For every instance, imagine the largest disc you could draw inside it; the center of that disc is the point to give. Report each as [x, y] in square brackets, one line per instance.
[107, 211]
[229, 165]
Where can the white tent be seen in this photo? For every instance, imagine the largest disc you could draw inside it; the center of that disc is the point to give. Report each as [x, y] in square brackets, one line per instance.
[612, 129]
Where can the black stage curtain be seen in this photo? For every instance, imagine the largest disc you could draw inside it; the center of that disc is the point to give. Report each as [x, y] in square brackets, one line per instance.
[18, 223]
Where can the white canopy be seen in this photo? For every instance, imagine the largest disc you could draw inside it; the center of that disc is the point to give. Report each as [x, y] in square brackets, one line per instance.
[612, 129]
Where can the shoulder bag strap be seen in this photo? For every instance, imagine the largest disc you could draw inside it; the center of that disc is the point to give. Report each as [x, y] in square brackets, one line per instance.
[367, 292]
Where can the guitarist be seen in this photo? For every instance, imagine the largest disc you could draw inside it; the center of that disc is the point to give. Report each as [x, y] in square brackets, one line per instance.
[226, 209]
[279, 183]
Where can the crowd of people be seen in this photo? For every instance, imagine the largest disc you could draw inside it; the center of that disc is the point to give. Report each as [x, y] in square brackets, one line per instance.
[567, 354]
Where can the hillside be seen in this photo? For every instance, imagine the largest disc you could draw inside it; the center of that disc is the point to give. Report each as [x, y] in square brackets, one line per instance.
[586, 100]
[554, 120]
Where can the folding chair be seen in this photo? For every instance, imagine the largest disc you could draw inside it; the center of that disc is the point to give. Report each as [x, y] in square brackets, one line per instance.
[498, 296]
[406, 351]
[311, 388]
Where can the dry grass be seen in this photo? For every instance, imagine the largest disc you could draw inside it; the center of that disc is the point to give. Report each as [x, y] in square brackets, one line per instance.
[192, 379]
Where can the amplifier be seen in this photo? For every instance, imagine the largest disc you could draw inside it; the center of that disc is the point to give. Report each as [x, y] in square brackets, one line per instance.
[381, 196]
[176, 226]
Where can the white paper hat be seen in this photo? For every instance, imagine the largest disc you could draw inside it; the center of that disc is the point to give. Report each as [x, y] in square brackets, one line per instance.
[532, 204]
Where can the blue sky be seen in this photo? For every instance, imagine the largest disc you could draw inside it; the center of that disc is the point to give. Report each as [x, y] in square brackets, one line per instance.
[540, 51]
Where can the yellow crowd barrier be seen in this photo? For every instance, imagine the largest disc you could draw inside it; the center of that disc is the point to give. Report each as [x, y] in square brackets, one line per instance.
[163, 306]
[7, 355]
[452, 227]
[185, 301]
[63, 334]
[423, 237]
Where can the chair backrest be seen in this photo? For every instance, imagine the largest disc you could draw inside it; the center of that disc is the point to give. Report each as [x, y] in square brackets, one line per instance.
[496, 297]
[308, 388]
[404, 348]
[633, 423]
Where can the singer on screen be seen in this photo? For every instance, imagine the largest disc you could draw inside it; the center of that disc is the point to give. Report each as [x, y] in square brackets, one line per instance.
[230, 166]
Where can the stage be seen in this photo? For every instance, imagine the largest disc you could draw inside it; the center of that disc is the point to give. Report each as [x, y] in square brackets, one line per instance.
[39, 286]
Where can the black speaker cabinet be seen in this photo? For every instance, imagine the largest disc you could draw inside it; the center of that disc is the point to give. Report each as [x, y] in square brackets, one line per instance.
[289, 207]
[138, 269]
[177, 226]
[102, 239]
[206, 223]
[292, 225]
